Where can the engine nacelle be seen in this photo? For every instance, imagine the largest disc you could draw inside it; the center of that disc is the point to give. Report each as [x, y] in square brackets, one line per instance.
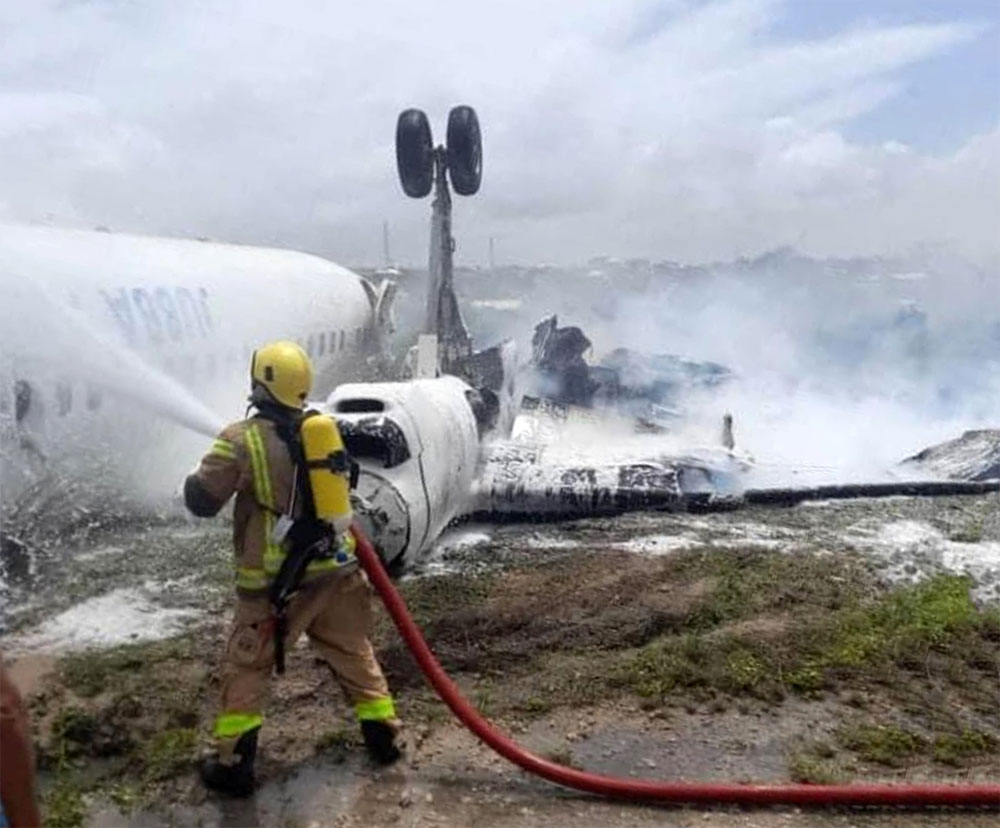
[418, 448]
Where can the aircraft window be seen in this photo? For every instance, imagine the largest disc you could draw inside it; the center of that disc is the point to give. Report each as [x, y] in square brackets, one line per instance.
[93, 398]
[375, 438]
[360, 405]
[22, 400]
[321, 347]
[342, 340]
[310, 345]
[64, 398]
[357, 337]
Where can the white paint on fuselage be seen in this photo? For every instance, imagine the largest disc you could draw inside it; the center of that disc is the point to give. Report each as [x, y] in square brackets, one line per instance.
[442, 455]
[107, 328]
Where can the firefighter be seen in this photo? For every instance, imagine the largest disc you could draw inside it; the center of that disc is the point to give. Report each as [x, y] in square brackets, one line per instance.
[261, 460]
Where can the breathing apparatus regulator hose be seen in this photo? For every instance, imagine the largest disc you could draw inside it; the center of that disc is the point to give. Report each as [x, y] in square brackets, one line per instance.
[911, 796]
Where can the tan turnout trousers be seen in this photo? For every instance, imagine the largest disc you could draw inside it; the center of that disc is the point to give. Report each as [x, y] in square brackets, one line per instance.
[336, 615]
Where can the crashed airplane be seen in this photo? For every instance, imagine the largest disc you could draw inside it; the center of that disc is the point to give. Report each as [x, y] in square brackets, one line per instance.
[99, 329]
[94, 318]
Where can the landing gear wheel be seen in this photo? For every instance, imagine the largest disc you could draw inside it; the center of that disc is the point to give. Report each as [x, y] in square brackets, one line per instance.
[414, 153]
[465, 150]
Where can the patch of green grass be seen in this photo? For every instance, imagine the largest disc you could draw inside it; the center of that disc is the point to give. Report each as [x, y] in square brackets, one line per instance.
[885, 744]
[91, 672]
[691, 661]
[431, 598]
[63, 806]
[125, 796]
[483, 700]
[169, 753]
[806, 678]
[956, 749]
[751, 582]
[73, 729]
[745, 669]
[928, 612]
[969, 532]
[899, 628]
[815, 770]
[659, 668]
[896, 630]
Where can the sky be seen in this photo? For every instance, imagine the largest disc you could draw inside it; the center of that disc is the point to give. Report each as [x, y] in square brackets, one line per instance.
[692, 130]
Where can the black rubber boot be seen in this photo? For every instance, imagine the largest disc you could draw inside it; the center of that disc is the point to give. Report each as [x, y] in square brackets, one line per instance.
[236, 779]
[380, 739]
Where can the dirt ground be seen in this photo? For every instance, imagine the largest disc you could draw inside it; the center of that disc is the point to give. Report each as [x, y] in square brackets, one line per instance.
[764, 647]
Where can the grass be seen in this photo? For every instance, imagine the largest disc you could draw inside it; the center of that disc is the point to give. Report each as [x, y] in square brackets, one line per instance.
[169, 753]
[897, 747]
[484, 700]
[816, 770]
[430, 599]
[750, 623]
[122, 727]
[855, 633]
[883, 744]
[63, 805]
[751, 582]
[72, 730]
[970, 532]
[92, 672]
[956, 750]
[125, 796]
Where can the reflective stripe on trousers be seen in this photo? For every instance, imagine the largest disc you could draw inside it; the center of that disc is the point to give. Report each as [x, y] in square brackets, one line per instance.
[375, 710]
[234, 725]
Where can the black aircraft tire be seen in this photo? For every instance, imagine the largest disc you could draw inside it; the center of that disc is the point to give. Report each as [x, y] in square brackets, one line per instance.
[414, 153]
[465, 150]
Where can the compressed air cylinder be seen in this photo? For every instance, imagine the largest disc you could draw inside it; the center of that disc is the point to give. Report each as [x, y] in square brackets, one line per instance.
[328, 472]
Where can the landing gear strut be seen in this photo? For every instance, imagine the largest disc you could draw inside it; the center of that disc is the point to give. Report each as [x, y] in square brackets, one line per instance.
[421, 165]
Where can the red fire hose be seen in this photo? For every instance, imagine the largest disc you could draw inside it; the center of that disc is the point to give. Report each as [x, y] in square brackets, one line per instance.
[635, 789]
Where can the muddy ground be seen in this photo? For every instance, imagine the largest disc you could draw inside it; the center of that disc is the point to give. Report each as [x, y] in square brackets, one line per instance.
[828, 643]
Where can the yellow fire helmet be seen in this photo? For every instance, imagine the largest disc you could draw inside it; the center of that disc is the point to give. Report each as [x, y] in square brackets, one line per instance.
[284, 369]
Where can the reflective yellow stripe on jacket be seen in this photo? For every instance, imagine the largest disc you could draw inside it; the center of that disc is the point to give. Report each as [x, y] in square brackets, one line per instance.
[254, 578]
[273, 553]
[223, 448]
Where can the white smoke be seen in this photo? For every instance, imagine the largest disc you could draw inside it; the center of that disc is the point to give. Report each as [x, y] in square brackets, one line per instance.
[664, 128]
[843, 368]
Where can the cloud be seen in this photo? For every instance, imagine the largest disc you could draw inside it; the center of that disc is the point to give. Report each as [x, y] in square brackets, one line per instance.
[675, 129]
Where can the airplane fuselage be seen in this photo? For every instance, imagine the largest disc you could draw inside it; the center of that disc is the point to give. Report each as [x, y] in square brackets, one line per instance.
[98, 330]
